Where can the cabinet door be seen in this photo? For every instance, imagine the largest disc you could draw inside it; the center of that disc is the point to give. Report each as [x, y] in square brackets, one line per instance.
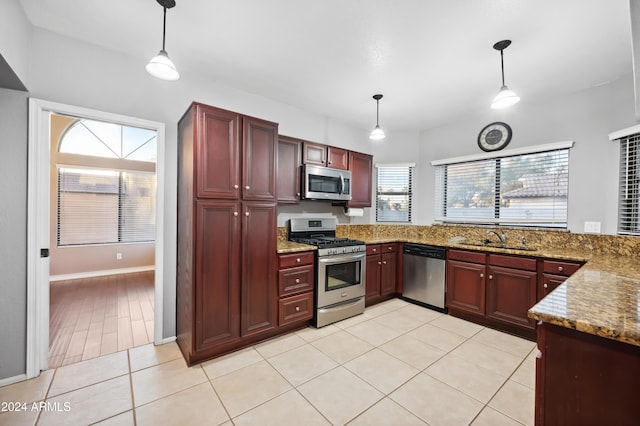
[549, 283]
[374, 266]
[337, 158]
[314, 153]
[510, 294]
[259, 140]
[361, 179]
[217, 279]
[259, 268]
[466, 286]
[289, 162]
[388, 273]
[218, 153]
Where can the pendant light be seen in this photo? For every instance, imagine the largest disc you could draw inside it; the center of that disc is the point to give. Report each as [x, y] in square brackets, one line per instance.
[505, 97]
[161, 66]
[377, 134]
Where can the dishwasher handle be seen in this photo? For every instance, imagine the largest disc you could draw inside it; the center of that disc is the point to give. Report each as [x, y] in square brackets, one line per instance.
[425, 251]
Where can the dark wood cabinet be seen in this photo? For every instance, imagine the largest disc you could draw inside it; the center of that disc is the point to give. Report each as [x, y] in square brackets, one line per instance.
[289, 162]
[314, 153]
[295, 283]
[361, 167]
[337, 158]
[227, 263]
[511, 289]
[582, 379]
[553, 274]
[381, 274]
[466, 287]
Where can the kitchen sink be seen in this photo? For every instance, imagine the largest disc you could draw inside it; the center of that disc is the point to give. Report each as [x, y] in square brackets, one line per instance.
[500, 246]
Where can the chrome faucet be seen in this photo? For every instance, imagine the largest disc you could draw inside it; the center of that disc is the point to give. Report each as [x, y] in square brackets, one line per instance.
[502, 237]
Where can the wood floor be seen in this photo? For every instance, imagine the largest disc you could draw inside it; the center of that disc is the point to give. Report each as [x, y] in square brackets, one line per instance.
[101, 315]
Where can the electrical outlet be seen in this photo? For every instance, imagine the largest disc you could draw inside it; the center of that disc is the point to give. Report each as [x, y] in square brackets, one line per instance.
[592, 227]
[118, 256]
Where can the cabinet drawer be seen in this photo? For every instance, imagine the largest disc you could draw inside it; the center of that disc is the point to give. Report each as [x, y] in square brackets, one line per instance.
[295, 308]
[560, 268]
[388, 248]
[295, 280]
[373, 249]
[296, 259]
[466, 256]
[527, 264]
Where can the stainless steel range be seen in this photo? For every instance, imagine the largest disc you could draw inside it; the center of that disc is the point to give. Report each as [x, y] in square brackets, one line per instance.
[340, 269]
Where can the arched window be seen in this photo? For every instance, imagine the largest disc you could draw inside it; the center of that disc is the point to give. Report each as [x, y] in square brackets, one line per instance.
[106, 184]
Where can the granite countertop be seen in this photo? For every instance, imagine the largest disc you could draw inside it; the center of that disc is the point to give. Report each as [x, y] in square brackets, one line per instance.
[602, 298]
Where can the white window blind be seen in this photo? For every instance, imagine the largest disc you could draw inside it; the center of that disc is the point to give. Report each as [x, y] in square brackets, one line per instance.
[97, 206]
[527, 189]
[393, 194]
[629, 195]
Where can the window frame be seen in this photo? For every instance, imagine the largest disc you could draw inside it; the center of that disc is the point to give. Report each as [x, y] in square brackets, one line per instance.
[441, 188]
[409, 193]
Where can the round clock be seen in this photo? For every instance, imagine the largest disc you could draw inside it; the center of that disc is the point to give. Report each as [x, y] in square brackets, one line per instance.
[494, 136]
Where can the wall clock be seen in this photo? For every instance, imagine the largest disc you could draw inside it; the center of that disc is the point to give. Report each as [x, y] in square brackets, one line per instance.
[494, 136]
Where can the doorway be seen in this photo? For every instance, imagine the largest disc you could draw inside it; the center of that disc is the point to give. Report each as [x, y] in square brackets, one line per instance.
[40, 228]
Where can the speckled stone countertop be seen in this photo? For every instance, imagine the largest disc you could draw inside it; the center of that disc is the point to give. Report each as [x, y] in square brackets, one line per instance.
[601, 298]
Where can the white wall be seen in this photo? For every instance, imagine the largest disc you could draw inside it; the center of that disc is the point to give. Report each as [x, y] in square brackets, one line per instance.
[80, 74]
[15, 38]
[585, 117]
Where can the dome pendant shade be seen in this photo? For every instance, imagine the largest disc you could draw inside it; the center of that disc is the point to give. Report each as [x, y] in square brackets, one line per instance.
[505, 97]
[377, 133]
[161, 66]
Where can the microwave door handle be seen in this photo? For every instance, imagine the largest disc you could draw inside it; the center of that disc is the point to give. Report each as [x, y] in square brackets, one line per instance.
[341, 185]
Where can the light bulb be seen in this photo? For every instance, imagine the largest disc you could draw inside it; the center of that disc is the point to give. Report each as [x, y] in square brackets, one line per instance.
[162, 67]
[505, 98]
[377, 134]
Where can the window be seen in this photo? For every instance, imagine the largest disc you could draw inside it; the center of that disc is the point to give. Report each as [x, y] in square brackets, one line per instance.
[393, 195]
[106, 184]
[528, 189]
[629, 196]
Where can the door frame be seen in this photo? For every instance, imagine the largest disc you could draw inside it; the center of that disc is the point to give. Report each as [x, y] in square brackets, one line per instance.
[38, 216]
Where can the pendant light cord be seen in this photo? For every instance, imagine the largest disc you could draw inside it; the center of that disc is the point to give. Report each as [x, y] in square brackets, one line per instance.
[377, 112]
[164, 29]
[501, 64]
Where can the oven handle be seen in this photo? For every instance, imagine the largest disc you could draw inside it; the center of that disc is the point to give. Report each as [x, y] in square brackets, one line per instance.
[334, 259]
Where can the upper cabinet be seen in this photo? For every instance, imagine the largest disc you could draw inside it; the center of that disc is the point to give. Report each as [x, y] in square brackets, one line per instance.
[289, 162]
[361, 166]
[222, 170]
[323, 155]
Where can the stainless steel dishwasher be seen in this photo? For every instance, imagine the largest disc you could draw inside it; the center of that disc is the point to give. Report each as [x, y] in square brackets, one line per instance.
[424, 275]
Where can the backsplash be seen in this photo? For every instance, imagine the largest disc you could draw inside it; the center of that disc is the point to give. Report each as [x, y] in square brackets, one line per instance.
[536, 238]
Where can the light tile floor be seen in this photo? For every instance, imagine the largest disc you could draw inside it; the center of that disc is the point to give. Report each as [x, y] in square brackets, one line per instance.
[397, 364]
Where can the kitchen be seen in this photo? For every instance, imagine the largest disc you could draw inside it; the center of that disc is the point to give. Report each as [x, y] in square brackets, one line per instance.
[62, 68]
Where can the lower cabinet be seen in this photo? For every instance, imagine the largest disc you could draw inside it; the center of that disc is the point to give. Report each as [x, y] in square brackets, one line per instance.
[466, 283]
[553, 274]
[381, 273]
[295, 288]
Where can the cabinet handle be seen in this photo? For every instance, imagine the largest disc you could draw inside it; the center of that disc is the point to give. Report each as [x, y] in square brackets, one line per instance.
[374, 249]
[379, 263]
[490, 277]
[546, 285]
[298, 260]
[297, 308]
[390, 248]
[560, 268]
[481, 275]
[297, 194]
[246, 213]
[235, 213]
[298, 281]
[384, 262]
[247, 187]
[235, 186]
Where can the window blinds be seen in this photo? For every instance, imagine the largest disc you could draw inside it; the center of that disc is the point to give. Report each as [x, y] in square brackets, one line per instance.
[629, 195]
[98, 206]
[529, 189]
[393, 194]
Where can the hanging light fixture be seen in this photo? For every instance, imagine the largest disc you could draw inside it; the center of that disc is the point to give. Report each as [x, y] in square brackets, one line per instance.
[161, 66]
[505, 97]
[377, 133]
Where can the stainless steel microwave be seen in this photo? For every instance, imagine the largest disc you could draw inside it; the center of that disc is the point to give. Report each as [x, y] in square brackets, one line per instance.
[324, 183]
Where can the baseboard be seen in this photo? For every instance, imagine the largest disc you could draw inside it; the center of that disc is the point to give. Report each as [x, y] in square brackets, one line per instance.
[90, 274]
[12, 380]
[169, 339]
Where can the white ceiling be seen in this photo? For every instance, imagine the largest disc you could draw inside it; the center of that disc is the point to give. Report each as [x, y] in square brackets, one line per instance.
[432, 59]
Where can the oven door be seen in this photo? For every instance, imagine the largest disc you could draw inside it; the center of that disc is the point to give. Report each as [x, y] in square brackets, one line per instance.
[341, 278]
